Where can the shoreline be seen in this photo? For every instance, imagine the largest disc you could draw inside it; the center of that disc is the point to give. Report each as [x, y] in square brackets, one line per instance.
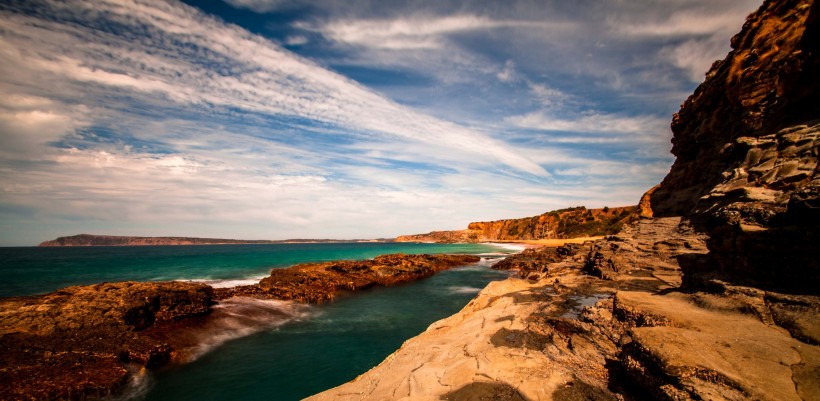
[605, 325]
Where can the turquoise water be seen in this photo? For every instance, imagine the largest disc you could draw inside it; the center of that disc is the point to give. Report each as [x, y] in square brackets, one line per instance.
[271, 350]
[31, 270]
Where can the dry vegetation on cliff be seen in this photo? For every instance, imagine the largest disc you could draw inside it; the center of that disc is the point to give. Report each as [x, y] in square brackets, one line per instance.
[566, 223]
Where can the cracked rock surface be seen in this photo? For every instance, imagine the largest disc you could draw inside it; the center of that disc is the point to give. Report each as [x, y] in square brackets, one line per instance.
[638, 333]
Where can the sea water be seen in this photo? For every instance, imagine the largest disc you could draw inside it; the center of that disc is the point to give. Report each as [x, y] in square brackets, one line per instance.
[264, 349]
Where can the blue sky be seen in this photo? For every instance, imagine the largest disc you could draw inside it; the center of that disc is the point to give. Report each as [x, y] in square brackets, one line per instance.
[271, 119]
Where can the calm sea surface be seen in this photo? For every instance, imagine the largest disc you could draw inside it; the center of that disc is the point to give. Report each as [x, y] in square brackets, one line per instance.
[271, 350]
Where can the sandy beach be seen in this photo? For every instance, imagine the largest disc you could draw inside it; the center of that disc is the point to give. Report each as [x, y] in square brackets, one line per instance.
[553, 242]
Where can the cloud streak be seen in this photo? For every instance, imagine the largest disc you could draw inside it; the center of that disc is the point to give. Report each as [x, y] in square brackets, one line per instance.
[149, 117]
[410, 33]
[264, 79]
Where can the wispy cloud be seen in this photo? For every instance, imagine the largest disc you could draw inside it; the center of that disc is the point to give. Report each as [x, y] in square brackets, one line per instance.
[415, 32]
[507, 73]
[153, 117]
[704, 19]
[592, 123]
[262, 77]
[259, 6]
[699, 33]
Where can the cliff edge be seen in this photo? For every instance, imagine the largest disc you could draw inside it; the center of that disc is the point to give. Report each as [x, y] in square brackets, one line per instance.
[746, 147]
[573, 222]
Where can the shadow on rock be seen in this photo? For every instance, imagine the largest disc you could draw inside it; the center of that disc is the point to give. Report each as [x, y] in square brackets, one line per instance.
[520, 339]
[580, 391]
[485, 391]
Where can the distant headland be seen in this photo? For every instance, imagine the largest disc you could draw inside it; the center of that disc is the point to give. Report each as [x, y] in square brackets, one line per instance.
[118, 240]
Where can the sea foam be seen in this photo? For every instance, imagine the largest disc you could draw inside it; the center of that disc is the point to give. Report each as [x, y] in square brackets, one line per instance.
[512, 247]
[463, 290]
[226, 283]
[239, 317]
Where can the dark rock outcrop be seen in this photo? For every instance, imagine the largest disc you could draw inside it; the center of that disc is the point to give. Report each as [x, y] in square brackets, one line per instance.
[80, 341]
[747, 153]
[321, 282]
[532, 261]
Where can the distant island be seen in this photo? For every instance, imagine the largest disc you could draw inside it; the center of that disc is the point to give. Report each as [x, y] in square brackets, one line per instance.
[117, 240]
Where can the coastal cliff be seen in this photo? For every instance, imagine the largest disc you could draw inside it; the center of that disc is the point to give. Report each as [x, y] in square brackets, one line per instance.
[713, 294]
[746, 143]
[558, 224]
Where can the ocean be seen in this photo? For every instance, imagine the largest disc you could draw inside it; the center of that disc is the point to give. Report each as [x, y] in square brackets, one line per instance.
[258, 349]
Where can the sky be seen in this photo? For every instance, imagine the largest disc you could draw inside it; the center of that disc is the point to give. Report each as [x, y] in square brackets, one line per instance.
[273, 119]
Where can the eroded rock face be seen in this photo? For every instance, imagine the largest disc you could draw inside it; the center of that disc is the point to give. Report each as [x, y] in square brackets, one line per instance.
[321, 282]
[79, 341]
[747, 148]
[572, 222]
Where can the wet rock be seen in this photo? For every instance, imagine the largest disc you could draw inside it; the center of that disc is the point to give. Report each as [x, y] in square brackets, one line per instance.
[80, 341]
[322, 282]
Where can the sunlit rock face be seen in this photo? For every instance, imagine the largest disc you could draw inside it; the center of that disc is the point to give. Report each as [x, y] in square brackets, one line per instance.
[747, 147]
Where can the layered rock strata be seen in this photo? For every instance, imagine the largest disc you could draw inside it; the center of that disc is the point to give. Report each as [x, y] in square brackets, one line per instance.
[747, 143]
[565, 223]
[89, 341]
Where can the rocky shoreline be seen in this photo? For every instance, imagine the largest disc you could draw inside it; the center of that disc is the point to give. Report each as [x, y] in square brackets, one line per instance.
[321, 282]
[711, 295]
[609, 321]
[87, 341]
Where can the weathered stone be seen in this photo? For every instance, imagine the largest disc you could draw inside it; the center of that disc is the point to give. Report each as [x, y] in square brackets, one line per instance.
[745, 141]
[78, 342]
[322, 282]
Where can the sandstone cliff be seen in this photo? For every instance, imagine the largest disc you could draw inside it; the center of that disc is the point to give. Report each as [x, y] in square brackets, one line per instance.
[608, 322]
[747, 149]
[564, 223]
